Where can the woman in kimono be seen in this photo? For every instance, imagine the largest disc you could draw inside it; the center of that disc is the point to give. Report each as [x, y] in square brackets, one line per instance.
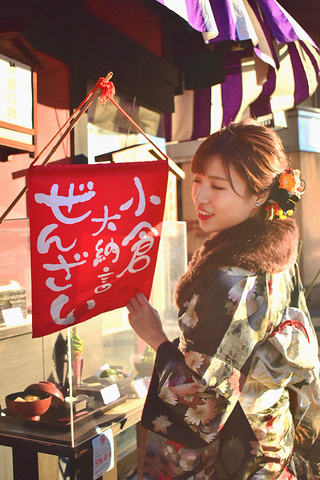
[226, 397]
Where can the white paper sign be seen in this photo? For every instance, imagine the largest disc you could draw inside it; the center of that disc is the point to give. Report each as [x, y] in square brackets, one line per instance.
[110, 393]
[141, 387]
[15, 92]
[13, 316]
[103, 453]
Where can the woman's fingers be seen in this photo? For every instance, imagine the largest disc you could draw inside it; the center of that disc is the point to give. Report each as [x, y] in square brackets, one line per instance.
[133, 304]
[136, 302]
[145, 321]
[130, 307]
[141, 299]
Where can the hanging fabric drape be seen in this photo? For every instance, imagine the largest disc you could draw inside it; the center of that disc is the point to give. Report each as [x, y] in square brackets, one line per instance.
[267, 64]
[94, 236]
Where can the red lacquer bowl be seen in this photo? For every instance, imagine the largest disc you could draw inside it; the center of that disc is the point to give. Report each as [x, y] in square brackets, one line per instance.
[49, 387]
[28, 410]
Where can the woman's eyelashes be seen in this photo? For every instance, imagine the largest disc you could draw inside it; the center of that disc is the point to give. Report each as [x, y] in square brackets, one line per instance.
[213, 186]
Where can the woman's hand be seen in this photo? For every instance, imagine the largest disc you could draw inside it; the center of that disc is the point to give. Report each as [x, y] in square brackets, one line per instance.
[145, 321]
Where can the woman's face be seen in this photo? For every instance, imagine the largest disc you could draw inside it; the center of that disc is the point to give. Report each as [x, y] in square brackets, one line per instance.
[218, 205]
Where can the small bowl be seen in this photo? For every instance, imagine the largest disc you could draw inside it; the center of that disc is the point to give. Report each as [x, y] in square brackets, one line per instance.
[49, 387]
[31, 410]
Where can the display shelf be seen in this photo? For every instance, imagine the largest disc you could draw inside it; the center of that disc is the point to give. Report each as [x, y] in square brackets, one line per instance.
[27, 442]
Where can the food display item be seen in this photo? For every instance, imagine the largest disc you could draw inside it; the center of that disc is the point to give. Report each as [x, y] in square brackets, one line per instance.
[49, 387]
[32, 398]
[28, 405]
[27, 398]
[76, 355]
[76, 345]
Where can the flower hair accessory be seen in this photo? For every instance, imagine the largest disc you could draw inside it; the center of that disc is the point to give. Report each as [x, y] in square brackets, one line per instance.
[285, 194]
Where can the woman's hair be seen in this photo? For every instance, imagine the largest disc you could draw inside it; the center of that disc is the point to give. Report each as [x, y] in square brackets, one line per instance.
[253, 150]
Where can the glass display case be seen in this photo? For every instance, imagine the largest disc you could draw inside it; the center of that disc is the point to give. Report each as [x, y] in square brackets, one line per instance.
[84, 380]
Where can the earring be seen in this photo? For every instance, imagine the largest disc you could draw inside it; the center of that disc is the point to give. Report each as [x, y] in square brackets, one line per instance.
[257, 204]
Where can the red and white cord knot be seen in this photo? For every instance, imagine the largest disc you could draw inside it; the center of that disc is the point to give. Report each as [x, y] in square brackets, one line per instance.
[107, 90]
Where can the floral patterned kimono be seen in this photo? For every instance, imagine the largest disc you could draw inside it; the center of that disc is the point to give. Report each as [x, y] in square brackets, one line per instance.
[224, 400]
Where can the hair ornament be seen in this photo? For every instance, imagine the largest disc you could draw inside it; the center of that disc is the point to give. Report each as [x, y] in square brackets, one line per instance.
[285, 193]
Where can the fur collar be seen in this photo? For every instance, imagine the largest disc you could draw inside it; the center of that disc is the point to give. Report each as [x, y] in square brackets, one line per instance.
[255, 245]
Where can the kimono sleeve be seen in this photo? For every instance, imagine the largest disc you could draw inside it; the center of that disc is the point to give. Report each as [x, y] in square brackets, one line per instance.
[198, 384]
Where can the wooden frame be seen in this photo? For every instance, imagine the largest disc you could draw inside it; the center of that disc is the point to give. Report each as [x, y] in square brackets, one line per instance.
[15, 47]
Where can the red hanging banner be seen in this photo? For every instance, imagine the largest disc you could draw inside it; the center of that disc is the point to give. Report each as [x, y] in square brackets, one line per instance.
[94, 234]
